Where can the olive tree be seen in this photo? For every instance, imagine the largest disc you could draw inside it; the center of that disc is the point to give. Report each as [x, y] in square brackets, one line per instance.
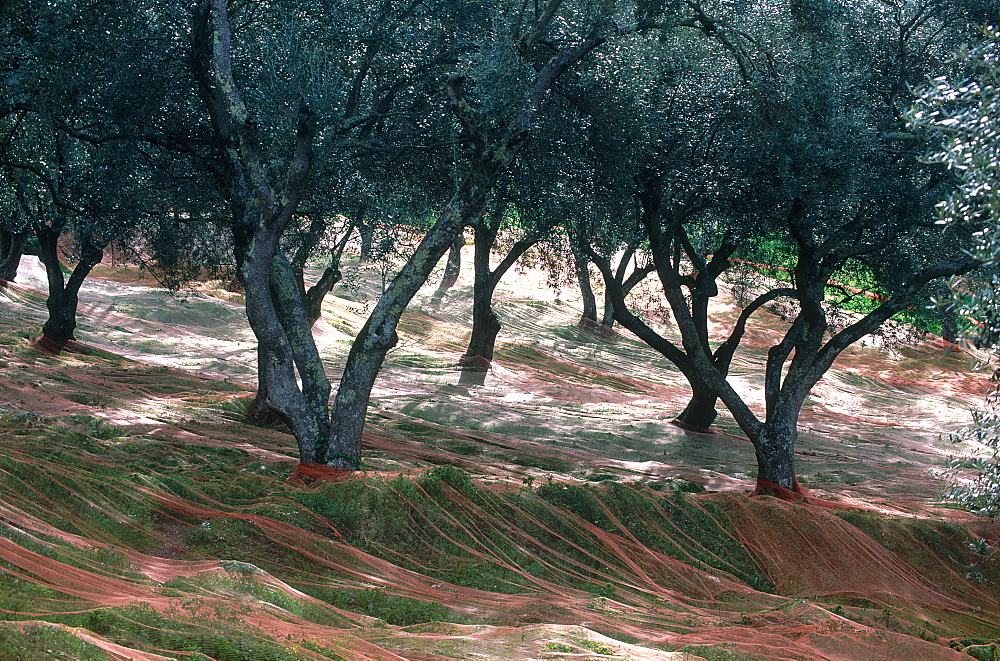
[263, 198]
[65, 166]
[964, 110]
[821, 166]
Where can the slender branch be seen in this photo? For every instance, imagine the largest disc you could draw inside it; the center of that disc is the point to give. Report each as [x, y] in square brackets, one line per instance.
[724, 352]
[899, 300]
[541, 24]
[550, 72]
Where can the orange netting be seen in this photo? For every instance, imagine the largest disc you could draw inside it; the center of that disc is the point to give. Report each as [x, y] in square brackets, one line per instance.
[192, 515]
[307, 474]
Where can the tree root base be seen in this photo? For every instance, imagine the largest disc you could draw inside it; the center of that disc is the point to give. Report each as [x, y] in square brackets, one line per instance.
[53, 346]
[797, 495]
[259, 413]
[307, 474]
[694, 428]
[596, 328]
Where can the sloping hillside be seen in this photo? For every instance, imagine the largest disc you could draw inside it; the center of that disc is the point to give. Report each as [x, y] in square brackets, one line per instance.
[553, 512]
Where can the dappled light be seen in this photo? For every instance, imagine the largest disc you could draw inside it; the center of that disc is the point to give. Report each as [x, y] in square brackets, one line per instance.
[462, 329]
[554, 510]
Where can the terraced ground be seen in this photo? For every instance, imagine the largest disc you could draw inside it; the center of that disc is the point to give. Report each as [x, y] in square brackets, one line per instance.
[553, 512]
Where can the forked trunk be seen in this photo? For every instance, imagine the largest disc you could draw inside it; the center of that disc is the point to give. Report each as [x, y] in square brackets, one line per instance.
[63, 297]
[378, 335]
[313, 296]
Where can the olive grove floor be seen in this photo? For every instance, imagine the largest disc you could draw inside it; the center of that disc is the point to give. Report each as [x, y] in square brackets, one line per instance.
[581, 524]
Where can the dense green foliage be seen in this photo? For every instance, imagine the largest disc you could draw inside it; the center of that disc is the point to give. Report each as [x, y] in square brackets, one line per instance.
[245, 140]
[965, 111]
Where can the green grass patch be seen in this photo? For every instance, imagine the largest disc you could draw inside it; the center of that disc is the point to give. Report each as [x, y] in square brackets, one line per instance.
[244, 578]
[39, 642]
[933, 548]
[145, 629]
[719, 653]
[562, 648]
[699, 535]
[386, 606]
[91, 399]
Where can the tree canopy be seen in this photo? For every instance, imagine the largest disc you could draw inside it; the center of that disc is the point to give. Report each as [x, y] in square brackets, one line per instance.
[682, 138]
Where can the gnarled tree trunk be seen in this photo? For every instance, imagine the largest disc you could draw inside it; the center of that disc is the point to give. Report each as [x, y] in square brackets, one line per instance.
[486, 325]
[378, 335]
[11, 250]
[296, 383]
[64, 295]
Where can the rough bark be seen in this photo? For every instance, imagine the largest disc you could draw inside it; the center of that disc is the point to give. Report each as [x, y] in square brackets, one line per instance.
[774, 448]
[378, 335]
[314, 295]
[290, 371]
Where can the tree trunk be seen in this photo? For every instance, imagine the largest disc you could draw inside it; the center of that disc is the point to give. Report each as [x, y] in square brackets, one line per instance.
[608, 321]
[485, 328]
[366, 232]
[479, 355]
[314, 295]
[588, 318]
[700, 413]
[260, 412]
[949, 326]
[485, 323]
[453, 266]
[291, 377]
[378, 335]
[775, 451]
[11, 249]
[63, 296]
